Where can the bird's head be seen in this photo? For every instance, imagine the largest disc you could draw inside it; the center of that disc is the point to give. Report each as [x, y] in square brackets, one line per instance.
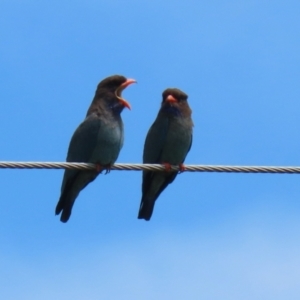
[111, 89]
[174, 101]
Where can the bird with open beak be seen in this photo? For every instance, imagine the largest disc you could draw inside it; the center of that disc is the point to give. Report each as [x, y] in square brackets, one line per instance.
[168, 142]
[98, 139]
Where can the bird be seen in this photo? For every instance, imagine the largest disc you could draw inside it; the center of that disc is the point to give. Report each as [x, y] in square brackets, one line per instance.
[98, 139]
[168, 142]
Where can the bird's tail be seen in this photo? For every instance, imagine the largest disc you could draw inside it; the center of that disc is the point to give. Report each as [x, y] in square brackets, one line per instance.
[64, 206]
[146, 208]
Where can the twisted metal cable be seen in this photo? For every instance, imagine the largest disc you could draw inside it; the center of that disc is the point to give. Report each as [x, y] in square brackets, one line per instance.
[150, 167]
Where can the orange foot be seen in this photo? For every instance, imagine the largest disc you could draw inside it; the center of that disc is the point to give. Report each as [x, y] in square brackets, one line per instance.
[167, 167]
[182, 168]
[100, 168]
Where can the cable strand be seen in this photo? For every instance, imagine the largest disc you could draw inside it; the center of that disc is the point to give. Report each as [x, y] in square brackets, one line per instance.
[151, 167]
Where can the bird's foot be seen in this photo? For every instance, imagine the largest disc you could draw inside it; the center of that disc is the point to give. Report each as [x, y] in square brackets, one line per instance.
[100, 168]
[182, 168]
[108, 168]
[167, 167]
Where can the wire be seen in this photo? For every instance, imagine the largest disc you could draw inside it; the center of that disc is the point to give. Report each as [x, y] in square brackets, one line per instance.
[150, 167]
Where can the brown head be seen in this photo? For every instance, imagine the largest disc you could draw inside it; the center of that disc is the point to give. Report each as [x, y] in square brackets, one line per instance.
[109, 91]
[175, 102]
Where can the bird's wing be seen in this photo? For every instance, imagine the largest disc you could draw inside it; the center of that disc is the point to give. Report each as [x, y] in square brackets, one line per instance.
[84, 140]
[189, 147]
[153, 148]
[155, 140]
[82, 145]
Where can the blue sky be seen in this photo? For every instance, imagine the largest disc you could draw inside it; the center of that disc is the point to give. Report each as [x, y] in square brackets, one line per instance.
[212, 236]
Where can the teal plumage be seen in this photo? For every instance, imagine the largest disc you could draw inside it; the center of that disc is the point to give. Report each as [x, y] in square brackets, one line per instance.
[98, 139]
[168, 141]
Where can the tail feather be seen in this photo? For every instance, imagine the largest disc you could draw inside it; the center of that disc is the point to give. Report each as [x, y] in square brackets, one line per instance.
[59, 206]
[64, 206]
[146, 209]
[66, 213]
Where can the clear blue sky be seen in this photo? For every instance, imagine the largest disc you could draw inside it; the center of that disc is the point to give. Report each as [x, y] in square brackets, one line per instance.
[212, 236]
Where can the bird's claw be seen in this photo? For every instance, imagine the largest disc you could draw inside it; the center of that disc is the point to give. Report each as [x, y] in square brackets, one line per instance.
[107, 170]
[100, 168]
[182, 168]
[167, 166]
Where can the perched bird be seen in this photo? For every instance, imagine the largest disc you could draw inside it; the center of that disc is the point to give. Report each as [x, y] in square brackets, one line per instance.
[98, 139]
[168, 141]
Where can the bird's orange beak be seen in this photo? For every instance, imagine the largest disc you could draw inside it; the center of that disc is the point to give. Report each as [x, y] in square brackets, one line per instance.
[121, 88]
[171, 99]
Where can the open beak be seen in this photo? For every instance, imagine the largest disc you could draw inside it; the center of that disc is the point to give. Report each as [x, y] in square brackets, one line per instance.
[121, 88]
[171, 99]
